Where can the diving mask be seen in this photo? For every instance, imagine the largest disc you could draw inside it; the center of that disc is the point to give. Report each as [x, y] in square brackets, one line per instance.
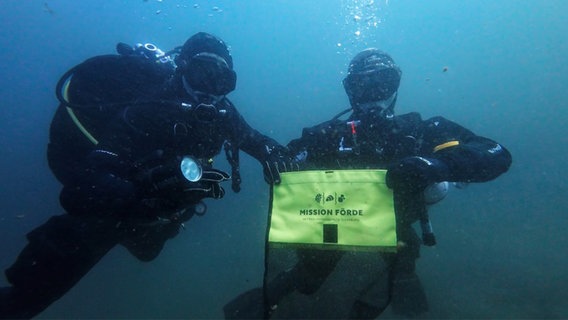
[375, 84]
[210, 73]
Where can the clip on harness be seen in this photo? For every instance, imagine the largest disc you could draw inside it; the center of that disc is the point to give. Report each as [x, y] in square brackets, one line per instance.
[342, 148]
[232, 154]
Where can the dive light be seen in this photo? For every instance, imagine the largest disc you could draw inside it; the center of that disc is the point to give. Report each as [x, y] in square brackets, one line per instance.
[436, 192]
[190, 169]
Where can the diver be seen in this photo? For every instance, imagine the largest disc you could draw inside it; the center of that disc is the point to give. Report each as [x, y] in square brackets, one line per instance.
[132, 143]
[417, 155]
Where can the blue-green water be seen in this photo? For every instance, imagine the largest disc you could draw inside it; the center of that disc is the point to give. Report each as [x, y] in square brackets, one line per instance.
[502, 246]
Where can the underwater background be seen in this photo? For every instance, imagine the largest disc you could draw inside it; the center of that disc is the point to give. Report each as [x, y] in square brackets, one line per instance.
[497, 67]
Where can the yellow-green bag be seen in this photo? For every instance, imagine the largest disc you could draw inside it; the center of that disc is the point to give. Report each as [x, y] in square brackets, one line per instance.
[340, 209]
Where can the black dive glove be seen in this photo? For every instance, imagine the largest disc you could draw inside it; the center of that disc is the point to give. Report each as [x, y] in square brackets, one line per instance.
[414, 174]
[165, 179]
[209, 186]
[277, 161]
[174, 193]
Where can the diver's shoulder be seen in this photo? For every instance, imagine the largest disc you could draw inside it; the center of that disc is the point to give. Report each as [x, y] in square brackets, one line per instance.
[409, 118]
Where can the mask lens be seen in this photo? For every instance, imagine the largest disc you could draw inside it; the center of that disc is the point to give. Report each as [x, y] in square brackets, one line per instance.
[372, 86]
[210, 73]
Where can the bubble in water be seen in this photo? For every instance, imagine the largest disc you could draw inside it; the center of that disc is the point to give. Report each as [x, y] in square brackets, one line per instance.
[361, 18]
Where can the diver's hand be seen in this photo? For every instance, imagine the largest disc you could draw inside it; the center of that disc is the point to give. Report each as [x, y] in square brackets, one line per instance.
[276, 165]
[186, 193]
[414, 174]
[160, 178]
[209, 186]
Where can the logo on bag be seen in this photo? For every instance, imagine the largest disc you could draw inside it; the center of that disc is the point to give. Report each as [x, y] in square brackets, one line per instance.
[333, 198]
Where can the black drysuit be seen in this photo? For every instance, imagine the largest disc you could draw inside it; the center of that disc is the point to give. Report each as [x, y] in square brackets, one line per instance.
[374, 141]
[106, 193]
